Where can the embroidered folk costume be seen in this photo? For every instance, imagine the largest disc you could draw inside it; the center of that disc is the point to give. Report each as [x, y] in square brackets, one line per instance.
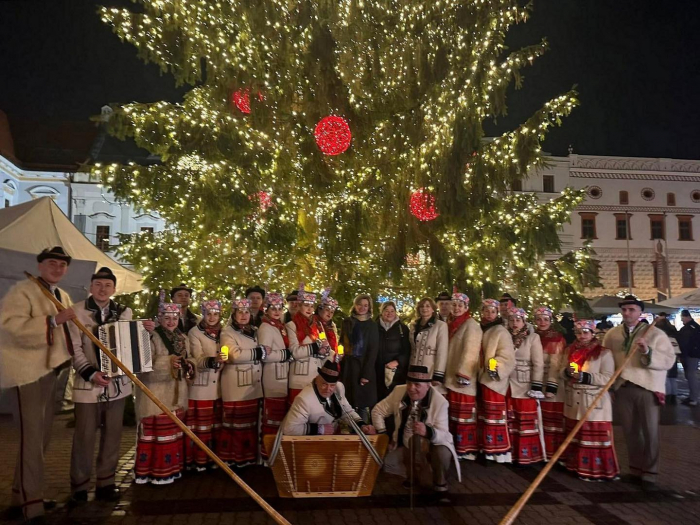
[273, 335]
[162, 451]
[321, 406]
[461, 376]
[205, 407]
[496, 363]
[429, 345]
[640, 388]
[308, 348]
[553, 346]
[525, 387]
[96, 407]
[241, 389]
[588, 368]
[33, 347]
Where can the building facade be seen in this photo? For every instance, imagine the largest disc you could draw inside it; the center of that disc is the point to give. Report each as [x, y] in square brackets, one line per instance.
[93, 209]
[640, 215]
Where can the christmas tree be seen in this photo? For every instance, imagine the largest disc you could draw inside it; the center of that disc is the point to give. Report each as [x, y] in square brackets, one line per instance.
[341, 143]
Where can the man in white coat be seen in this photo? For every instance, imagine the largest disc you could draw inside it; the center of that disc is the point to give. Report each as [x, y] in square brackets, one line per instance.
[34, 347]
[99, 400]
[420, 426]
[320, 406]
[640, 388]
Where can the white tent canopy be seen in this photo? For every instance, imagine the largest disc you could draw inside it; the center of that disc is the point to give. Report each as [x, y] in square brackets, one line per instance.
[33, 226]
[686, 300]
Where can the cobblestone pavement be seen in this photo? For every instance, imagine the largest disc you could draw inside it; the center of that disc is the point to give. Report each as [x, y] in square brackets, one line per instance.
[484, 496]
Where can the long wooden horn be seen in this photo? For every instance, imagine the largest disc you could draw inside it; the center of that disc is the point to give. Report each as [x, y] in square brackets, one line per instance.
[265, 506]
[520, 504]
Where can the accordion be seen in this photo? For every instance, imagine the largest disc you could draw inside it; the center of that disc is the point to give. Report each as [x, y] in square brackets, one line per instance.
[130, 342]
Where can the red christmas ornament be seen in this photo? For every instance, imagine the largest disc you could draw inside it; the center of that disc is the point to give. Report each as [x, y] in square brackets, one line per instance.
[263, 198]
[422, 205]
[241, 99]
[333, 135]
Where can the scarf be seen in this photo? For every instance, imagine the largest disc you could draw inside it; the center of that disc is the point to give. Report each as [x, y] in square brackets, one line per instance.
[305, 327]
[488, 326]
[454, 325]
[330, 333]
[280, 326]
[519, 336]
[551, 340]
[247, 330]
[423, 327]
[387, 326]
[579, 353]
[174, 341]
[630, 336]
[213, 332]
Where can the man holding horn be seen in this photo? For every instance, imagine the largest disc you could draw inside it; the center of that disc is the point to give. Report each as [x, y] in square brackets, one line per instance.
[34, 346]
[640, 388]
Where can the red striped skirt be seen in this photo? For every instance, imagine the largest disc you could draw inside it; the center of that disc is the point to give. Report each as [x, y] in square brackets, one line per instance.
[524, 430]
[204, 418]
[293, 393]
[463, 422]
[553, 425]
[274, 410]
[239, 440]
[160, 450]
[591, 454]
[492, 426]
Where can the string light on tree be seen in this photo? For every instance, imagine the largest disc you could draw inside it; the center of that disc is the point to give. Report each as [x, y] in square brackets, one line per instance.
[422, 205]
[409, 122]
[333, 135]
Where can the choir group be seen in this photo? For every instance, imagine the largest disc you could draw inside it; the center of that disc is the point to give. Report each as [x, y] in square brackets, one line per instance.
[513, 390]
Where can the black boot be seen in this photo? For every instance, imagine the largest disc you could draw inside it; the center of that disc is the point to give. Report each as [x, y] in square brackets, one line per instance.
[108, 493]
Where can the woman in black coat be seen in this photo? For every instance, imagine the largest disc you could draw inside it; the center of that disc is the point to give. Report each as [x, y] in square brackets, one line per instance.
[360, 338]
[394, 350]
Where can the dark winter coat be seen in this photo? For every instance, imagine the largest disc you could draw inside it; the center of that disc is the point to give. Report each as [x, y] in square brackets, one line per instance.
[394, 344]
[360, 340]
[689, 340]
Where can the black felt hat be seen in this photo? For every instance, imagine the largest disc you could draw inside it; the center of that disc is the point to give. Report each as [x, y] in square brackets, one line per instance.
[104, 273]
[507, 297]
[54, 253]
[419, 374]
[443, 296]
[179, 288]
[629, 300]
[330, 371]
[254, 289]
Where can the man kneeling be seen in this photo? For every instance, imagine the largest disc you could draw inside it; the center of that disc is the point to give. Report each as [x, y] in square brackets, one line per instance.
[320, 406]
[420, 426]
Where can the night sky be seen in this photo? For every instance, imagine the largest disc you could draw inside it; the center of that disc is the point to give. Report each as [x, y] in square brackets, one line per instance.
[635, 63]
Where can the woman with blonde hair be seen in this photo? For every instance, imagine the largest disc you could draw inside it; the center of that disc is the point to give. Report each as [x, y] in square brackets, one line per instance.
[429, 340]
[394, 350]
[360, 338]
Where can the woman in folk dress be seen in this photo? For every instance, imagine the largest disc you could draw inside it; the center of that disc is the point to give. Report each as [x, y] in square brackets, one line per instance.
[205, 409]
[273, 335]
[241, 388]
[587, 369]
[524, 390]
[553, 345]
[162, 450]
